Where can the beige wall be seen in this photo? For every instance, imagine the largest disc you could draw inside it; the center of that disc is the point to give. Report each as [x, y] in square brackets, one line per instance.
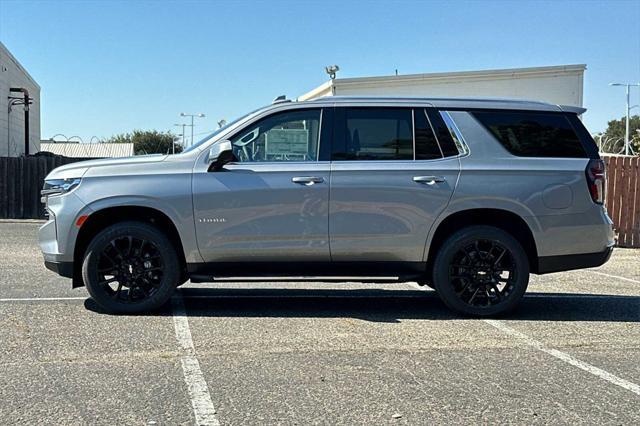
[12, 74]
[561, 85]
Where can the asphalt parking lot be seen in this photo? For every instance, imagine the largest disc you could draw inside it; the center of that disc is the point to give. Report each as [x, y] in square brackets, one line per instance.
[300, 353]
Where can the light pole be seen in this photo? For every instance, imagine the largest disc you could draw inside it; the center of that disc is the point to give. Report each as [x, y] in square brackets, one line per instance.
[626, 132]
[183, 143]
[199, 115]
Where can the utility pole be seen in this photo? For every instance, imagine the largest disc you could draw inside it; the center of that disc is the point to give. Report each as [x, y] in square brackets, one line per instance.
[629, 108]
[199, 115]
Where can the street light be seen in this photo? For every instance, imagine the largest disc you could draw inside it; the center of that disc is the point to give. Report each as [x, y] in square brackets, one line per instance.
[626, 132]
[182, 134]
[199, 115]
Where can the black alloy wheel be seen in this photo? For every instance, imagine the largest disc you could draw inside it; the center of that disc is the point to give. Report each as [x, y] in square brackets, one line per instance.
[481, 271]
[130, 267]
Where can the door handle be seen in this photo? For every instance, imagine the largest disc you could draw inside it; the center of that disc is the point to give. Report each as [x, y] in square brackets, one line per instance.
[429, 180]
[307, 180]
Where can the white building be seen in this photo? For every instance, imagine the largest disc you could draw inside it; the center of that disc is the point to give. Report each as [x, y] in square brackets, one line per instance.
[15, 83]
[562, 85]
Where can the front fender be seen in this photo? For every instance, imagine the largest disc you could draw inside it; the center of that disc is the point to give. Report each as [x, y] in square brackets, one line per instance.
[180, 214]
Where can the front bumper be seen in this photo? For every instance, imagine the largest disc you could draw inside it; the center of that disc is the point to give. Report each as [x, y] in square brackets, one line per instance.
[57, 236]
[64, 269]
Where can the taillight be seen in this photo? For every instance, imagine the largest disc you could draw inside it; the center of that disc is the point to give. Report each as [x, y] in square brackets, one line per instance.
[596, 180]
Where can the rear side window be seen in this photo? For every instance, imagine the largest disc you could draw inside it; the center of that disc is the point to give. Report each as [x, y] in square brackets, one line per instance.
[427, 147]
[533, 134]
[444, 132]
[377, 134]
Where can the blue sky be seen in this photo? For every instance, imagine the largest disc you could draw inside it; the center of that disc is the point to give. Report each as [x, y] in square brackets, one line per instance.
[107, 67]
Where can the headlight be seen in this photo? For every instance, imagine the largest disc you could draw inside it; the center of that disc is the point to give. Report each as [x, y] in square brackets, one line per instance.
[58, 186]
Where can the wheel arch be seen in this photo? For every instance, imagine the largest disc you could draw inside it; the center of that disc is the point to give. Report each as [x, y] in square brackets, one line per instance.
[101, 219]
[506, 220]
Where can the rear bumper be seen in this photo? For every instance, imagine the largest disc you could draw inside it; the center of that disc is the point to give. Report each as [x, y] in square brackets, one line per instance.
[64, 269]
[549, 264]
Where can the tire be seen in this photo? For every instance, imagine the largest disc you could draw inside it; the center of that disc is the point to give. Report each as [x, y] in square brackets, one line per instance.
[473, 276]
[130, 267]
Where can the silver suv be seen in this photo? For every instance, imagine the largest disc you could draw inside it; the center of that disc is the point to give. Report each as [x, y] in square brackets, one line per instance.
[467, 196]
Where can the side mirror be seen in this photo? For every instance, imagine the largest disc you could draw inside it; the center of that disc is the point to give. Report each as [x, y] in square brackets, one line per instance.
[220, 154]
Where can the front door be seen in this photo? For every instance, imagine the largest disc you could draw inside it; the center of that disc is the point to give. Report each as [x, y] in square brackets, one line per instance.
[389, 181]
[272, 204]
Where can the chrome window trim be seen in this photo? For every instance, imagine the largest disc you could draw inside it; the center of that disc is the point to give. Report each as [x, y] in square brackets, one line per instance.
[451, 124]
[413, 131]
[267, 163]
[319, 135]
[374, 162]
[329, 103]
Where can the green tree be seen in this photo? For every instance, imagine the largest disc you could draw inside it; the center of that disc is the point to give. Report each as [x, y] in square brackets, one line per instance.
[616, 130]
[148, 141]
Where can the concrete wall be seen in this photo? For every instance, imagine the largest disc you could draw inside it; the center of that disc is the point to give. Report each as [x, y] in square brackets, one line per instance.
[561, 85]
[12, 74]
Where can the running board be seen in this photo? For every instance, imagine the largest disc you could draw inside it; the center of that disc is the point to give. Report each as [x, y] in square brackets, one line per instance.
[195, 278]
[306, 271]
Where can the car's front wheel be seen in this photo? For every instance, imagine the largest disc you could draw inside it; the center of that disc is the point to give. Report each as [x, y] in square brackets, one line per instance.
[481, 271]
[130, 267]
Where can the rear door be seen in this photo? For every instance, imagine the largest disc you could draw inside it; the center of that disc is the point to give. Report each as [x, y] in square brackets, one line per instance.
[390, 178]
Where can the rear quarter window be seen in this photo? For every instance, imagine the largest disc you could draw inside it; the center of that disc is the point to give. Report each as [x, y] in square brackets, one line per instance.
[533, 134]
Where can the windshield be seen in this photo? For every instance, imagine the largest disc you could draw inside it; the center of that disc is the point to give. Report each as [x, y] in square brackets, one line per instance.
[220, 130]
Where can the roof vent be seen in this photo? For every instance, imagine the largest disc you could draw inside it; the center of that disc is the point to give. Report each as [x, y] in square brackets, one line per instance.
[280, 99]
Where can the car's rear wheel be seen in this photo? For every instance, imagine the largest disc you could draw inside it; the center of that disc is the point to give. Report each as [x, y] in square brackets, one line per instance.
[481, 271]
[130, 267]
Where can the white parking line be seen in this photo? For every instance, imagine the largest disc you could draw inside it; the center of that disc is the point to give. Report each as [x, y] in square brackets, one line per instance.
[545, 295]
[203, 408]
[39, 299]
[631, 280]
[611, 378]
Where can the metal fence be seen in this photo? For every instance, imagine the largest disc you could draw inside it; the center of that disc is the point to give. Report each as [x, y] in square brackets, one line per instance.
[608, 145]
[21, 179]
[623, 198]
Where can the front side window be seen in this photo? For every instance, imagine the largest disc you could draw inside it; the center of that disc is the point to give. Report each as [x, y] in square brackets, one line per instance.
[284, 136]
[376, 134]
[533, 134]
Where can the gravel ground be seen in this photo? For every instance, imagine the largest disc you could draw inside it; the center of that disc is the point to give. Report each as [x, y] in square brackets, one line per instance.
[299, 353]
